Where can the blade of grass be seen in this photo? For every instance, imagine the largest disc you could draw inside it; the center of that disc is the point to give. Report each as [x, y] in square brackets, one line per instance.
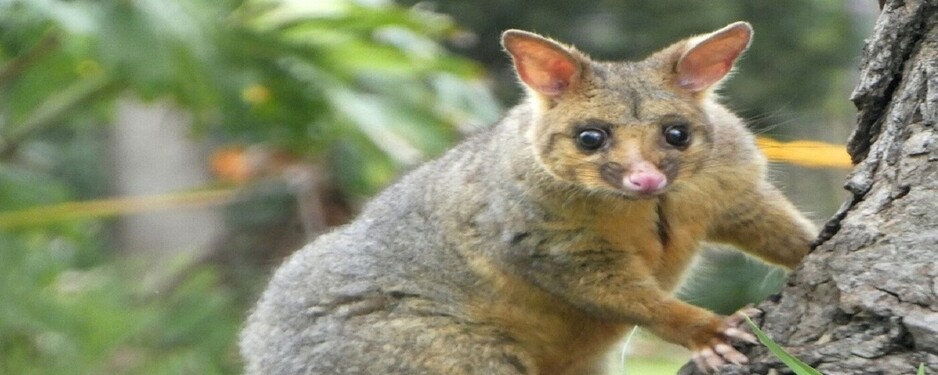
[921, 369]
[791, 361]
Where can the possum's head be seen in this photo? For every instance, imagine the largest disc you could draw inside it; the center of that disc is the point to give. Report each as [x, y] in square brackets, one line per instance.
[631, 128]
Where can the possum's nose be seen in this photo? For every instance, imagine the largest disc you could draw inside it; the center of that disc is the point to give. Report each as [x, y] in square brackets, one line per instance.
[646, 183]
[644, 178]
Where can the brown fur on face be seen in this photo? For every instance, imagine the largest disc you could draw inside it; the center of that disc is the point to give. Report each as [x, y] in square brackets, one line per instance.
[633, 108]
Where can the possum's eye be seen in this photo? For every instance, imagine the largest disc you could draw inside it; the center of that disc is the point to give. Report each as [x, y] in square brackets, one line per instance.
[591, 139]
[677, 135]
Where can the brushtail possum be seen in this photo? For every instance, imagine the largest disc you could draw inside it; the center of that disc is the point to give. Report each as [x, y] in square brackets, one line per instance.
[534, 245]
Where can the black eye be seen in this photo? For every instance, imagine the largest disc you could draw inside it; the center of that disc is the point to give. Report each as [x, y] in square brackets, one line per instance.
[591, 139]
[677, 135]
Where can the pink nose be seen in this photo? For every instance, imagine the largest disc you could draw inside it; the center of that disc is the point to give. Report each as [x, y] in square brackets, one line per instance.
[645, 181]
[644, 178]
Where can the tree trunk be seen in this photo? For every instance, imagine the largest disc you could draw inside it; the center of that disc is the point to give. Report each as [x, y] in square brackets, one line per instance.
[866, 300]
[153, 154]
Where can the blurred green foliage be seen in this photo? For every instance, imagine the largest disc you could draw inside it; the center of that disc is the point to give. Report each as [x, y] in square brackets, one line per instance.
[67, 310]
[328, 79]
[363, 87]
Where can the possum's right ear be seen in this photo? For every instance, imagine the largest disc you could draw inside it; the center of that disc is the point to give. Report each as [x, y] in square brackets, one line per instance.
[545, 66]
[709, 58]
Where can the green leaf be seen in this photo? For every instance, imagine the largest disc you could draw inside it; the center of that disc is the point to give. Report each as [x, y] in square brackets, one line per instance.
[791, 361]
[921, 369]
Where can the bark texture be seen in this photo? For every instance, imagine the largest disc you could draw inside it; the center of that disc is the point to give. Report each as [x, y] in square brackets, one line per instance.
[866, 300]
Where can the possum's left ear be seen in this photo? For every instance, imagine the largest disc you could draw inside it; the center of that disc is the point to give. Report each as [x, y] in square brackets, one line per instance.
[707, 59]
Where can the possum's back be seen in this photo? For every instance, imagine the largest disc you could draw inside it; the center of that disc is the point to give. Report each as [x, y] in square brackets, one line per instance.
[329, 301]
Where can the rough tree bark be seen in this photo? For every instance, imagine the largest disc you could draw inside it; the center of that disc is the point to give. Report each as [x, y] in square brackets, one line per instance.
[866, 300]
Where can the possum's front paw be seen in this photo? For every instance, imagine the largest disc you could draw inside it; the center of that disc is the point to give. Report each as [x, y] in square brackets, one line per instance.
[719, 351]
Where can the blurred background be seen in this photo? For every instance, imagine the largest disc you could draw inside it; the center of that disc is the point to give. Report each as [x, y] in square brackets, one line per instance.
[158, 158]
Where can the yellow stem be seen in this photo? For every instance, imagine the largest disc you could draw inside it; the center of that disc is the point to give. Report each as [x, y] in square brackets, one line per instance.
[114, 207]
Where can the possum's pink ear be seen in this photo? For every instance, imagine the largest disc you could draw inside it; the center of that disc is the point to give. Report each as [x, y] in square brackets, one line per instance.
[544, 65]
[708, 58]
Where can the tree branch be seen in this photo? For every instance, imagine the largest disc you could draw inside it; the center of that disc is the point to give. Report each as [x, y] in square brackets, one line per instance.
[15, 67]
[54, 109]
